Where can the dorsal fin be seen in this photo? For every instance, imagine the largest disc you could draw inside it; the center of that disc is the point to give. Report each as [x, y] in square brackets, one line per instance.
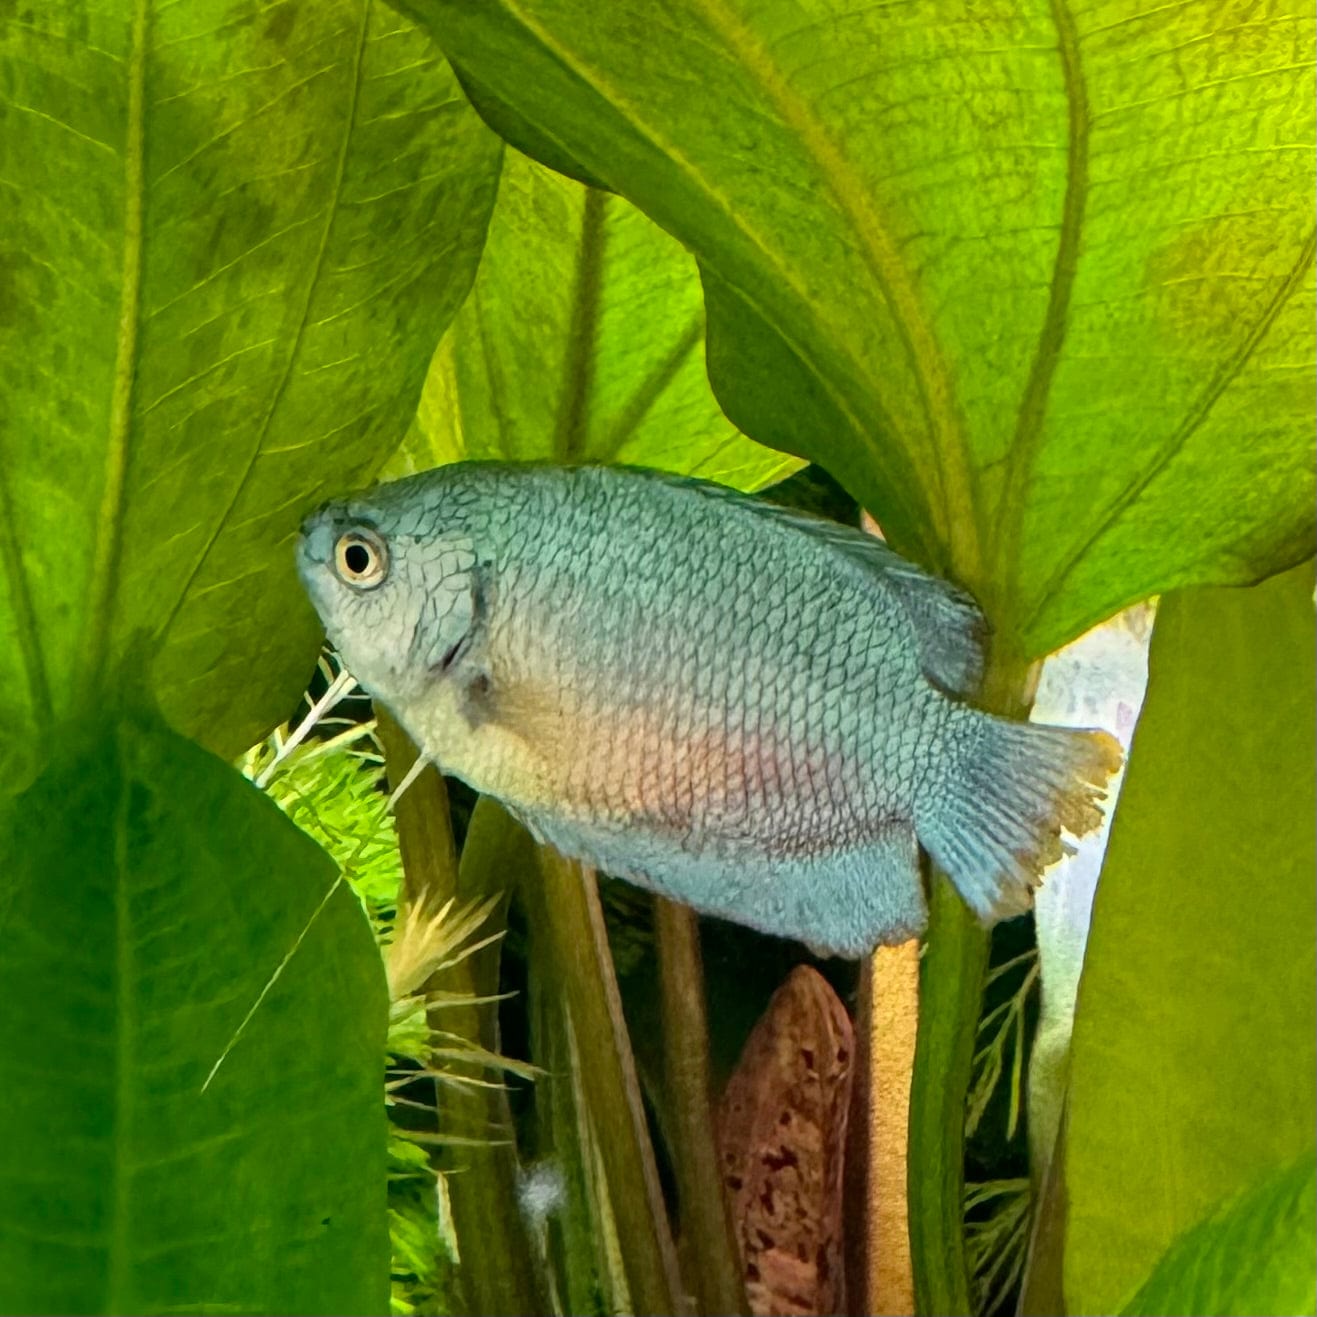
[951, 630]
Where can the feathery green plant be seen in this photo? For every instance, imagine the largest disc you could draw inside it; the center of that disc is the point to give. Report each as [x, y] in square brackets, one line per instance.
[332, 785]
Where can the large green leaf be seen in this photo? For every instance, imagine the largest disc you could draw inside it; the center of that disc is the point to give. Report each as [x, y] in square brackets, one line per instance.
[582, 339]
[1253, 1255]
[1033, 279]
[230, 236]
[1193, 1052]
[151, 897]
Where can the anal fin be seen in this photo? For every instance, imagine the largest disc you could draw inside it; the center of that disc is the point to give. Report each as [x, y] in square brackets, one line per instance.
[843, 903]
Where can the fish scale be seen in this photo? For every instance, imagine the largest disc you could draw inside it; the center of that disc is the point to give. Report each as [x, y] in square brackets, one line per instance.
[756, 712]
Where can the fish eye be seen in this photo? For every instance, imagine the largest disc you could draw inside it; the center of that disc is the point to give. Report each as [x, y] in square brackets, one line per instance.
[361, 559]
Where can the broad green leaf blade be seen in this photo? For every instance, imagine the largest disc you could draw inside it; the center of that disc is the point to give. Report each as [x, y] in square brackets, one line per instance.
[1034, 281]
[151, 897]
[1193, 1050]
[232, 236]
[582, 340]
[1254, 1255]
[508, 126]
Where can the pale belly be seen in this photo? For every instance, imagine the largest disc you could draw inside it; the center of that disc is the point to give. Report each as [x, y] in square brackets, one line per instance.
[491, 756]
[687, 778]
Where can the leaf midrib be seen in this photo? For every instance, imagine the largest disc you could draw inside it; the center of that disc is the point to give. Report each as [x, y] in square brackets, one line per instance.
[1006, 548]
[948, 443]
[781, 269]
[276, 397]
[109, 521]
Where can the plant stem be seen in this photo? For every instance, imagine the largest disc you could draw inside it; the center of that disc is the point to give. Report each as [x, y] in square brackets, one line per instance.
[705, 1220]
[497, 856]
[585, 971]
[950, 997]
[497, 1272]
[950, 990]
[586, 1257]
[425, 832]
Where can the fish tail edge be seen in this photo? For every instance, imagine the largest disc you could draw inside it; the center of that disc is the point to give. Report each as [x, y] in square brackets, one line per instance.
[998, 823]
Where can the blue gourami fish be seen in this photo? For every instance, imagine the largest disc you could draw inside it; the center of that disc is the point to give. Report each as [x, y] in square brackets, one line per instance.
[752, 711]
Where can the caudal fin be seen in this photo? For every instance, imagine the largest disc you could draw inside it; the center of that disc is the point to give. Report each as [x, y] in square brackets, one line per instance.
[997, 823]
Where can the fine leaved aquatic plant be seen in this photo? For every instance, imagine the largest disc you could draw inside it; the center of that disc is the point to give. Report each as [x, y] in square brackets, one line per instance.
[996, 1239]
[1001, 1031]
[333, 787]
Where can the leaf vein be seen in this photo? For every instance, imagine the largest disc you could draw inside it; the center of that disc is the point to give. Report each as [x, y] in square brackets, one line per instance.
[1198, 414]
[1033, 404]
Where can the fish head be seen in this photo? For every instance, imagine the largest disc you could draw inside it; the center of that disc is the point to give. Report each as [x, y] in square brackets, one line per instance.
[394, 583]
